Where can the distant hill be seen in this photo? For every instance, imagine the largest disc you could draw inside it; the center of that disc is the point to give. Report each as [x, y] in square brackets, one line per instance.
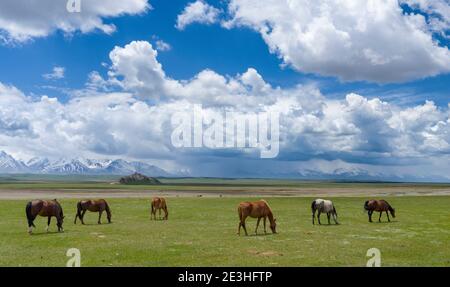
[137, 178]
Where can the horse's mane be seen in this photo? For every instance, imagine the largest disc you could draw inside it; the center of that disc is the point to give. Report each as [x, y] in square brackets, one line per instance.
[263, 200]
[389, 206]
[268, 207]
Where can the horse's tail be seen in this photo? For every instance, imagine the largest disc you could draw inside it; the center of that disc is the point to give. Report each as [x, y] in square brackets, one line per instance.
[334, 211]
[29, 215]
[108, 212]
[313, 205]
[240, 212]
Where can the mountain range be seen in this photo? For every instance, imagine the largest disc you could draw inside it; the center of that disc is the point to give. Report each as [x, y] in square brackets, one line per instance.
[9, 165]
[83, 166]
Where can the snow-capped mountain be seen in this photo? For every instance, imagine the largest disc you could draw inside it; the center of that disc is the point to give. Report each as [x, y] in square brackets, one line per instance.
[10, 165]
[77, 166]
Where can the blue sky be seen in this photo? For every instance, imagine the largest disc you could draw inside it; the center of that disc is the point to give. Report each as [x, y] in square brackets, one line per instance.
[355, 82]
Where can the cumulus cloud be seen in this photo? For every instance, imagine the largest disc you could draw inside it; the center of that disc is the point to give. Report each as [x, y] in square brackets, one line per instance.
[353, 40]
[24, 20]
[56, 74]
[197, 12]
[135, 121]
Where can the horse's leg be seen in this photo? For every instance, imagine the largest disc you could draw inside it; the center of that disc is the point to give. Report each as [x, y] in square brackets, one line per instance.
[379, 219]
[387, 213]
[100, 217]
[159, 210]
[243, 225]
[82, 217]
[264, 221]
[257, 225]
[318, 217]
[313, 215]
[328, 217]
[48, 223]
[370, 215]
[166, 213]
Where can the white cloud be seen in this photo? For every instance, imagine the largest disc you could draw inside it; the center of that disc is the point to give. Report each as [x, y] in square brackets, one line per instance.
[135, 122]
[56, 74]
[438, 12]
[20, 21]
[162, 46]
[353, 40]
[197, 12]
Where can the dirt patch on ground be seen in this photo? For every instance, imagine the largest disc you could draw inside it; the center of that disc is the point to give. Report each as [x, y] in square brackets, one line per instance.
[266, 192]
[267, 253]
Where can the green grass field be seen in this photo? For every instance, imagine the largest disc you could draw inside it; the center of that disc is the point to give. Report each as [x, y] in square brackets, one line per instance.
[202, 232]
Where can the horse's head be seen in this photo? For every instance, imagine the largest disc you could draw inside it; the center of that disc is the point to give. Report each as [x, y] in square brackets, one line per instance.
[392, 210]
[108, 215]
[273, 226]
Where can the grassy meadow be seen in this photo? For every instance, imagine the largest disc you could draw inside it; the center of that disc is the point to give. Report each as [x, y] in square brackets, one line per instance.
[202, 232]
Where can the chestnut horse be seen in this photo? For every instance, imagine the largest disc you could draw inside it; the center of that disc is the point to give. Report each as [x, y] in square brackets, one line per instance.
[98, 205]
[380, 206]
[45, 208]
[258, 209]
[159, 203]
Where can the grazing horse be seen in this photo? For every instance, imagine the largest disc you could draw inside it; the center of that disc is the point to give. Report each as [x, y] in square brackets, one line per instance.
[159, 203]
[98, 205]
[323, 206]
[380, 206]
[258, 209]
[45, 208]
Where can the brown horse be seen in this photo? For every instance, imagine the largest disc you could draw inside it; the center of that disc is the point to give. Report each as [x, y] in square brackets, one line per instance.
[159, 203]
[380, 206]
[258, 209]
[98, 205]
[45, 208]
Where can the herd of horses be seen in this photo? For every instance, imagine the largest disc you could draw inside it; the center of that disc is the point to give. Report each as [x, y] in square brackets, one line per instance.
[258, 209]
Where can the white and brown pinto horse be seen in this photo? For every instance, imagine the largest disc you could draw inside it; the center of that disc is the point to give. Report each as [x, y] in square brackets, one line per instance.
[98, 205]
[323, 206]
[44, 208]
[258, 209]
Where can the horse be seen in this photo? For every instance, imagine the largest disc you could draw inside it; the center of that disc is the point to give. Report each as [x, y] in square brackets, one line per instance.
[98, 205]
[258, 209]
[44, 208]
[323, 206]
[378, 205]
[159, 203]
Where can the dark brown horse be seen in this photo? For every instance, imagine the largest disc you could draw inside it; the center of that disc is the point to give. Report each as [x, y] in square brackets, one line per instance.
[258, 209]
[45, 208]
[159, 203]
[98, 205]
[380, 206]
